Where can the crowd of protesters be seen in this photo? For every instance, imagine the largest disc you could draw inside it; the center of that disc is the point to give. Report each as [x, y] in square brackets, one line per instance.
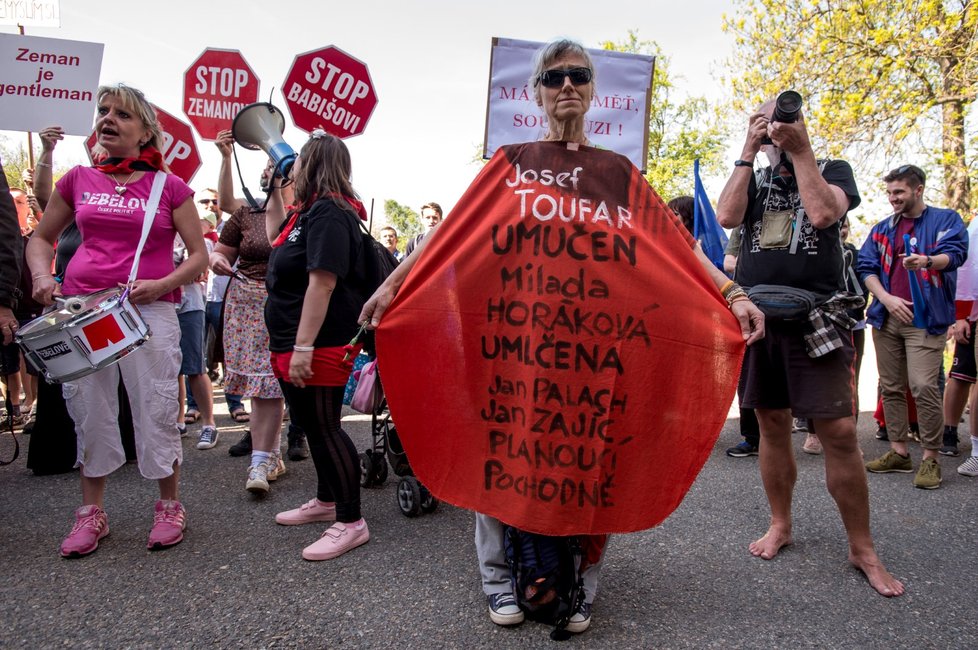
[262, 298]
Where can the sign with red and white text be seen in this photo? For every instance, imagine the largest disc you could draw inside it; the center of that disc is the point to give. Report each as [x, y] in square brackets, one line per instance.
[329, 89]
[179, 150]
[215, 87]
[619, 115]
[48, 81]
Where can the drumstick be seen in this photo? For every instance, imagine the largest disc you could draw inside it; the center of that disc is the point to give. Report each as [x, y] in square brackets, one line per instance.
[73, 305]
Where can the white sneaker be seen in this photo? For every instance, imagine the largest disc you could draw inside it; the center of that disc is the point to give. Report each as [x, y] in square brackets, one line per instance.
[274, 466]
[969, 467]
[258, 479]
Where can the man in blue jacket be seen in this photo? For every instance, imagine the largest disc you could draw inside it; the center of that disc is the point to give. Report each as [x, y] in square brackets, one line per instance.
[911, 333]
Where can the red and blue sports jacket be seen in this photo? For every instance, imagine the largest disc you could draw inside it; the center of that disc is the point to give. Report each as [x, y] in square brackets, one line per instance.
[938, 231]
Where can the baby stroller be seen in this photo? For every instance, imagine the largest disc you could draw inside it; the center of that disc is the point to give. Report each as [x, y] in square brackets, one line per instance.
[413, 498]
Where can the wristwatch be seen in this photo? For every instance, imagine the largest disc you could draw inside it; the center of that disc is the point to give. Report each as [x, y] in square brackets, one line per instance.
[930, 262]
[744, 163]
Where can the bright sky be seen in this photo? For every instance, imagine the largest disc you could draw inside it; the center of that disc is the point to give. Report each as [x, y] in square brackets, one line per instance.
[428, 59]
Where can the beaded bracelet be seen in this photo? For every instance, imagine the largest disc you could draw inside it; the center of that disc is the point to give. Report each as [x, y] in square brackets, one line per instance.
[736, 294]
[304, 348]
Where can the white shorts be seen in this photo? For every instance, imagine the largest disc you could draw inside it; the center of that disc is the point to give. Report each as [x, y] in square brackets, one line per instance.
[150, 376]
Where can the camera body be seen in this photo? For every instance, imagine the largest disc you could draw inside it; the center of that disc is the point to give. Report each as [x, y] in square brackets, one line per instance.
[787, 108]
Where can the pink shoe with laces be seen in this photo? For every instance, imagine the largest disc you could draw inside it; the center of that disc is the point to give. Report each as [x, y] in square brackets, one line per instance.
[91, 525]
[169, 523]
[337, 540]
[308, 512]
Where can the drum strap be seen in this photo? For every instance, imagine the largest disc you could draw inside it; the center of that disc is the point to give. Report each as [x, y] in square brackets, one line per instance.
[151, 206]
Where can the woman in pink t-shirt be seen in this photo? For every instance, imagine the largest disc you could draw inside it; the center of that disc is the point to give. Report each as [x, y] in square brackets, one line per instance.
[107, 203]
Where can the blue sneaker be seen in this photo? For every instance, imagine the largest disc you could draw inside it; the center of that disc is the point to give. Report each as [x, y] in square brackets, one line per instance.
[503, 609]
[743, 450]
[581, 620]
[208, 437]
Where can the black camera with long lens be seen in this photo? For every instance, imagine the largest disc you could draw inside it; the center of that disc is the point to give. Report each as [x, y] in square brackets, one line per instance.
[787, 106]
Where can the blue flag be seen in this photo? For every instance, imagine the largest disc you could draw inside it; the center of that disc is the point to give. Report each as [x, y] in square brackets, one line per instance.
[706, 230]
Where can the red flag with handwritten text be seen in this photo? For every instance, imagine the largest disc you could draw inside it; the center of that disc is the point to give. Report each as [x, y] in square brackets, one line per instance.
[558, 358]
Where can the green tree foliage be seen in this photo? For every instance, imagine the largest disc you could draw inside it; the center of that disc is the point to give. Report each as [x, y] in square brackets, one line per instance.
[881, 79]
[403, 219]
[15, 160]
[681, 129]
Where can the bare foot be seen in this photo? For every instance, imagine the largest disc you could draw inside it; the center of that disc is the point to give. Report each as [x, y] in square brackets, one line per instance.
[772, 542]
[879, 578]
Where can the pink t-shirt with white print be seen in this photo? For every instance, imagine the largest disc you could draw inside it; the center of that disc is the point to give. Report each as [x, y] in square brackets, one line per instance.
[111, 224]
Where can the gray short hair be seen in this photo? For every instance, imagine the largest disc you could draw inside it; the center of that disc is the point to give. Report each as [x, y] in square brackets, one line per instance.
[552, 51]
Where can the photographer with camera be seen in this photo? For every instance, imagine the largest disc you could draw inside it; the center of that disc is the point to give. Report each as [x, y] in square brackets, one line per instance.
[791, 252]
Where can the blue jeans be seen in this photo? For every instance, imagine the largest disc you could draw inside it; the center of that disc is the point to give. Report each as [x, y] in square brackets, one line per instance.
[212, 320]
[234, 401]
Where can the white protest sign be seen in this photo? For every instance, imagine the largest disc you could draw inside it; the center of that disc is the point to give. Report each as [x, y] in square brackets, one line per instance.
[48, 81]
[30, 13]
[619, 114]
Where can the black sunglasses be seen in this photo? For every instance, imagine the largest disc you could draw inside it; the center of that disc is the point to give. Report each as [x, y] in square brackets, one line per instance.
[555, 78]
[911, 169]
[214, 201]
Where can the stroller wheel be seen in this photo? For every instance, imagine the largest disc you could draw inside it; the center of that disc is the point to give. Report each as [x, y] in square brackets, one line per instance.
[409, 496]
[367, 469]
[428, 500]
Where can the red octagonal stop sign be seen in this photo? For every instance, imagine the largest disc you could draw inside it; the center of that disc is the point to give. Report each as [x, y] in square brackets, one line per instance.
[179, 148]
[330, 89]
[215, 87]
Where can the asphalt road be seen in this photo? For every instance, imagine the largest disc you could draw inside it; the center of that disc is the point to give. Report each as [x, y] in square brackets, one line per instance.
[238, 580]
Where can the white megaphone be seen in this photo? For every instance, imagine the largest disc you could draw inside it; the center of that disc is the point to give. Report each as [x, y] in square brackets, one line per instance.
[260, 126]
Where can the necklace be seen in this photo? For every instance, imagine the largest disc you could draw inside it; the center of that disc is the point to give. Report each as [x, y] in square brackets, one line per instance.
[121, 188]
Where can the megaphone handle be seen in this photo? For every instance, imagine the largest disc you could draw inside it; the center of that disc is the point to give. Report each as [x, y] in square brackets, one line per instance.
[244, 188]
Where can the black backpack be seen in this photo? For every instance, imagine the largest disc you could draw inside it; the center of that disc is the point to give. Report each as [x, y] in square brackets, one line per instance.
[372, 269]
[546, 578]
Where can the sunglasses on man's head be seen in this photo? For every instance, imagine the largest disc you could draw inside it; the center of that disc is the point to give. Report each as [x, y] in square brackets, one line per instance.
[555, 78]
[913, 170]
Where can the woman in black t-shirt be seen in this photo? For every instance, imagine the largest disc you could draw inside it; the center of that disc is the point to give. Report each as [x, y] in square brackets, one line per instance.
[311, 313]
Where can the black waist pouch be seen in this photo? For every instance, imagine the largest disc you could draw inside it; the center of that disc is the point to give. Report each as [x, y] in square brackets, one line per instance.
[779, 302]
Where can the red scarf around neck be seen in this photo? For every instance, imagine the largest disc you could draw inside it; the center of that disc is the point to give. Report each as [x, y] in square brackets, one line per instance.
[294, 216]
[150, 160]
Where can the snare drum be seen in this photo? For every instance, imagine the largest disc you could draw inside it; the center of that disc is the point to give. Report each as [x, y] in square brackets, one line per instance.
[87, 333]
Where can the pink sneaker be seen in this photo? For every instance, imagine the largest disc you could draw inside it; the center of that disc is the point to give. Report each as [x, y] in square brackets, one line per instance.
[91, 525]
[169, 523]
[307, 513]
[337, 540]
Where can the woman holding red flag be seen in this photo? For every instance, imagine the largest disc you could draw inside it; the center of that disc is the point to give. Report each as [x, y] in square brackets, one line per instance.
[107, 202]
[315, 294]
[563, 86]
